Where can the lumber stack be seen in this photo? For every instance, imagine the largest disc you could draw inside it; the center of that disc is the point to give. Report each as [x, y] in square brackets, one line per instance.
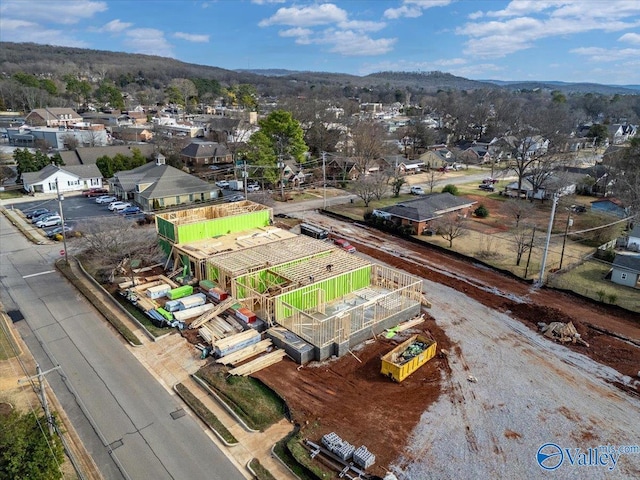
[246, 353]
[259, 363]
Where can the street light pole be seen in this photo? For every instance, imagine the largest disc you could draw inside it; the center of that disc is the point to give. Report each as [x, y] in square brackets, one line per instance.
[324, 182]
[564, 240]
[64, 233]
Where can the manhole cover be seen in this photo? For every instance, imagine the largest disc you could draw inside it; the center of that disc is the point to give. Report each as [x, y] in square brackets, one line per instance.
[15, 315]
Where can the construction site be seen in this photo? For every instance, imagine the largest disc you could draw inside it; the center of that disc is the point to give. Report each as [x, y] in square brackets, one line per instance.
[230, 270]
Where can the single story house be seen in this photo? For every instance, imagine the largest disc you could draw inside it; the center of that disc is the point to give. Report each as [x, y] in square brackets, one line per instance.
[476, 155]
[561, 183]
[53, 117]
[205, 153]
[408, 167]
[626, 270]
[156, 185]
[610, 206]
[620, 133]
[419, 212]
[437, 158]
[70, 178]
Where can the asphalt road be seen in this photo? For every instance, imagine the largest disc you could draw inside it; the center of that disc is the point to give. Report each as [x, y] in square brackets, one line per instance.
[122, 414]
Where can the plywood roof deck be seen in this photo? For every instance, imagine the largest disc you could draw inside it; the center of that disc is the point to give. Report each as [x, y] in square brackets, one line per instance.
[210, 212]
[233, 242]
[288, 249]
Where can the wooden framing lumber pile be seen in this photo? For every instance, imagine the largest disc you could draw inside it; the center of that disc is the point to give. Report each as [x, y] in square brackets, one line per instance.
[216, 329]
[259, 363]
[217, 310]
[246, 353]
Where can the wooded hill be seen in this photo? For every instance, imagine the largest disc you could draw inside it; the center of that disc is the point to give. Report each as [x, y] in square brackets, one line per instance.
[55, 61]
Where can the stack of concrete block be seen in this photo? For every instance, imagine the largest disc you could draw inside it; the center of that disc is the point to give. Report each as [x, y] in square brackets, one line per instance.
[345, 450]
[336, 445]
[364, 457]
[331, 440]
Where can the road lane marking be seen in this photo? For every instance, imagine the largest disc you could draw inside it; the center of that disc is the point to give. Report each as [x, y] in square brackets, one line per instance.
[38, 274]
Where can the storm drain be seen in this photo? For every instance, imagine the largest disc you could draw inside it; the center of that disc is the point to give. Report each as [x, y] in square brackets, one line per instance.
[178, 414]
[15, 315]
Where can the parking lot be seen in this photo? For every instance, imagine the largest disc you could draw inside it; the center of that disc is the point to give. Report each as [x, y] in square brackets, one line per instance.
[75, 207]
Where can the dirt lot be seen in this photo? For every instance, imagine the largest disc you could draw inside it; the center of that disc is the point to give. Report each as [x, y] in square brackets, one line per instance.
[356, 401]
[530, 390]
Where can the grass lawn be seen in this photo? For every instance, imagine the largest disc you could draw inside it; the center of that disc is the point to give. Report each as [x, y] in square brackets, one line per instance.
[256, 404]
[588, 280]
[9, 194]
[6, 346]
[261, 472]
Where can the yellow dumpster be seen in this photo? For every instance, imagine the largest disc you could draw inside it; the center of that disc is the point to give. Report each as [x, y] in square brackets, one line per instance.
[407, 357]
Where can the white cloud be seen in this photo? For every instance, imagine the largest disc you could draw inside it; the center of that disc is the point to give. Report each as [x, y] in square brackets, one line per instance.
[362, 26]
[351, 43]
[598, 54]
[192, 37]
[62, 12]
[312, 15]
[302, 35]
[13, 30]
[148, 40]
[115, 26]
[524, 22]
[414, 8]
[633, 38]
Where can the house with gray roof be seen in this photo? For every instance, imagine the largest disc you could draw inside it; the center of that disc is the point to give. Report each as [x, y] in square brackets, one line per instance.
[626, 270]
[205, 153]
[90, 155]
[156, 185]
[70, 178]
[419, 212]
[52, 117]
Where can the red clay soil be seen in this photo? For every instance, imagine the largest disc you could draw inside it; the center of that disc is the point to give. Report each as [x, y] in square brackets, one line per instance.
[354, 400]
[592, 320]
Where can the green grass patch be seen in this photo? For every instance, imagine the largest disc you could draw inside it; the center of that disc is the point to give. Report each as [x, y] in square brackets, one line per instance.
[141, 317]
[588, 279]
[291, 451]
[205, 414]
[9, 194]
[257, 405]
[259, 470]
[7, 348]
[105, 310]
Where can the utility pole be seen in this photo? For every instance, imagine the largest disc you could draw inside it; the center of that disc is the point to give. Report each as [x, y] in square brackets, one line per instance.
[281, 166]
[324, 182]
[564, 240]
[548, 239]
[41, 390]
[64, 233]
[244, 177]
[526, 269]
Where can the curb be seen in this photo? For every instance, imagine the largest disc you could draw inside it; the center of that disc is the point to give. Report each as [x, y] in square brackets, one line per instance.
[226, 444]
[222, 403]
[275, 455]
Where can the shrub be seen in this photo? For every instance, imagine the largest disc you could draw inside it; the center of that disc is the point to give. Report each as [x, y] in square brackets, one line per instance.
[481, 212]
[601, 295]
[452, 189]
[612, 298]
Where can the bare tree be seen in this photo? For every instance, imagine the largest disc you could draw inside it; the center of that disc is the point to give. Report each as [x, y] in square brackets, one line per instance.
[365, 187]
[519, 211]
[367, 144]
[108, 241]
[433, 176]
[380, 182]
[6, 173]
[521, 235]
[451, 227]
[396, 181]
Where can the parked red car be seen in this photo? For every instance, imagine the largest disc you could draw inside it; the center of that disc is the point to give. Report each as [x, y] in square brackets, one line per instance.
[94, 192]
[345, 245]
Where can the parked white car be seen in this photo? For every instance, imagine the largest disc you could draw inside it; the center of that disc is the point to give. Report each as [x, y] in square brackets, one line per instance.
[417, 191]
[51, 221]
[106, 199]
[222, 184]
[117, 206]
[253, 188]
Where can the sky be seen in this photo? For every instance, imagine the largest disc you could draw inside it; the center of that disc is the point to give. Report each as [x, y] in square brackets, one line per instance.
[548, 40]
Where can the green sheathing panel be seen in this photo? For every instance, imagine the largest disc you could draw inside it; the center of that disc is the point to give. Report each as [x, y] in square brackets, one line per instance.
[222, 226]
[212, 273]
[165, 246]
[306, 298]
[165, 229]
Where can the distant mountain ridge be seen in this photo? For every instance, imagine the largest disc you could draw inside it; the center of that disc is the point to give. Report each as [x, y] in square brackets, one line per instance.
[43, 59]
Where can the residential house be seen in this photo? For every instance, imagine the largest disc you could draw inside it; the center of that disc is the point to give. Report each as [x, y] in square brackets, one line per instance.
[132, 134]
[420, 212]
[410, 167]
[560, 183]
[90, 155]
[633, 240]
[52, 117]
[293, 173]
[475, 154]
[156, 185]
[621, 133]
[70, 178]
[205, 153]
[437, 158]
[610, 206]
[594, 181]
[341, 168]
[626, 270]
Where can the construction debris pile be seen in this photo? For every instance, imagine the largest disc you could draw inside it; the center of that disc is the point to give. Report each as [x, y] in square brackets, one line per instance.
[413, 350]
[562, 332]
